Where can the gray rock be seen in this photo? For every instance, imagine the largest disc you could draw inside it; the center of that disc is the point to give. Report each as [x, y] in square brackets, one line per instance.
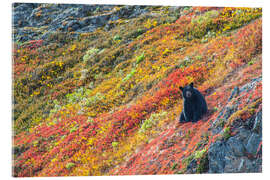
[86, 10]
[225, 114]
[229, 110]
[242, 165]
[214, 127]
[36, 74]
[253, 143]
[45, 35]
[25, 34]
[249, 86]
[65, 18]
[83, 74]
[234, 93]
[216, 155]
[20, 13]
[243, 135]
[257, 127]
[236, 146]
[222, 159]
[216, 130]
[114, 18]
[89, 28]
[231, 157]
[73, 25]
[242, 152]
[109, 26]
[98, 21]
[231, 164]
[41, 16]
[191, 168]
[247, 165]
[138, 10]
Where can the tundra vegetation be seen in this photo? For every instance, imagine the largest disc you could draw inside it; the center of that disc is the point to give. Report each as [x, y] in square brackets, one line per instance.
[107, 101]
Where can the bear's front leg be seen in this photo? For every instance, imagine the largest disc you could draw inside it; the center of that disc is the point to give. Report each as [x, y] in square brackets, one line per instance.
[195, 118]
[182, 118]
[196, 114]
[188, 114]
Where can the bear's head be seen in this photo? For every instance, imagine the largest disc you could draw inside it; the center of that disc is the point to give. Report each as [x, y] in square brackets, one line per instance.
[187, 91]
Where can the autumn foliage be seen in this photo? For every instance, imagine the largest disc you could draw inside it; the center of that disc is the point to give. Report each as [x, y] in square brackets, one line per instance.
[105, 107]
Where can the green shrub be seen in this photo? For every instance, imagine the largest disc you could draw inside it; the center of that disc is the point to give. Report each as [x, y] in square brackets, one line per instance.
[70, 165]
[78, 95]
[114, 144]
[251, 62]
[73, 129]
[200, 154]
[140, 58]
[201, 157]
[188, 160]
[221, 123]
[154, 118]
[187, 135]
[135, 33]
[226, 133]
[186, 8]
[204, 23]
[174, 166]
[203, 164]
[94, 99]
[205, 18]
[117, 38]
[133, 71]
[180, 172]
[89, 54]
[199, 57]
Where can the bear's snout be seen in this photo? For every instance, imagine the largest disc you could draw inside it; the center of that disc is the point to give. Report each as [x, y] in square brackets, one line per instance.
[188, 94]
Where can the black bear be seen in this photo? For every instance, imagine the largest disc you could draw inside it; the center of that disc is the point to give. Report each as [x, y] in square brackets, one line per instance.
[194, 106]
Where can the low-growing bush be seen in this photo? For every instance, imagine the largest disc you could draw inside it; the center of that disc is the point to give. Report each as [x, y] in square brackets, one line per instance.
[140, 58]
[90, 54]
[133, 71]
[154, 118]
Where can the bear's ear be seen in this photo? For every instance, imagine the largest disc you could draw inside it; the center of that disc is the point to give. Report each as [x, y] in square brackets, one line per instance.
[181, 88]
[191, 84]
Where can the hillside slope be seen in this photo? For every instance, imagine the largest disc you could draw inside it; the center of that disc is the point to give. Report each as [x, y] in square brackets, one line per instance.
[96, 89]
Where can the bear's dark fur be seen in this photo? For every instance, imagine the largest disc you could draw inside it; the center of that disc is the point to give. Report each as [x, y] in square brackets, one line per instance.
[194, 105]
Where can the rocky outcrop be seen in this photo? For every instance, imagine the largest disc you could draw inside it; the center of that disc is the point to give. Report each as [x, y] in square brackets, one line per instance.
[241, 152]
[38, 21]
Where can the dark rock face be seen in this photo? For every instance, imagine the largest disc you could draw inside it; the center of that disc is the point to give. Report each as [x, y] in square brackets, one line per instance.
[236, 146]
[235, 92]
[258, 123]
[242, 152]
[235, 155]
[43, 19]
[253, 143]
[20, 14]
[216, 154]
